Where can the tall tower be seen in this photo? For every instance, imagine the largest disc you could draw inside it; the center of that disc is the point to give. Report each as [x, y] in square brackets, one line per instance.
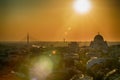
[28, 39]
[64, 40]
[28, 43]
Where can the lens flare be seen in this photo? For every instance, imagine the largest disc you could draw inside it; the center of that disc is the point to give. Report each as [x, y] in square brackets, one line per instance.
[42, 68]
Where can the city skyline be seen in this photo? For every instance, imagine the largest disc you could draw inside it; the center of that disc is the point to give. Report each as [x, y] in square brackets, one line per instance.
[51, 20]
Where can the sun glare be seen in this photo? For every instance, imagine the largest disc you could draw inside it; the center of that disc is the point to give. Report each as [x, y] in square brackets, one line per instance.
[82, 6]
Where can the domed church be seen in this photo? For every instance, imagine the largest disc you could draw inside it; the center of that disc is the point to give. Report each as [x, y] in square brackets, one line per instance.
[99, 43]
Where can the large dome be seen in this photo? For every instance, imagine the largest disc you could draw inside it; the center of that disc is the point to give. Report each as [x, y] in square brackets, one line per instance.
[99, 43]
[98, 37]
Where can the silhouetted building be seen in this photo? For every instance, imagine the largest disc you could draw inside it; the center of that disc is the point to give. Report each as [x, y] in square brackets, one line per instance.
[97, 47]
[99, 43]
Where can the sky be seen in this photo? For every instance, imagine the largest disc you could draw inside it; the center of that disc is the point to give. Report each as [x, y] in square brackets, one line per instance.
[54, 20]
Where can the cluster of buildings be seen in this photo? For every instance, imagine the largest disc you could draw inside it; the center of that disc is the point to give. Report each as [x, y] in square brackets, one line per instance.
[73, 58]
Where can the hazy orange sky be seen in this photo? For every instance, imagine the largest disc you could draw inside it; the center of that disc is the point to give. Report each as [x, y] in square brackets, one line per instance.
[56, 19]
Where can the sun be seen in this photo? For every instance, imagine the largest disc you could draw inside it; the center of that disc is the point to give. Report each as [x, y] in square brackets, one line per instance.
[82, 6]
